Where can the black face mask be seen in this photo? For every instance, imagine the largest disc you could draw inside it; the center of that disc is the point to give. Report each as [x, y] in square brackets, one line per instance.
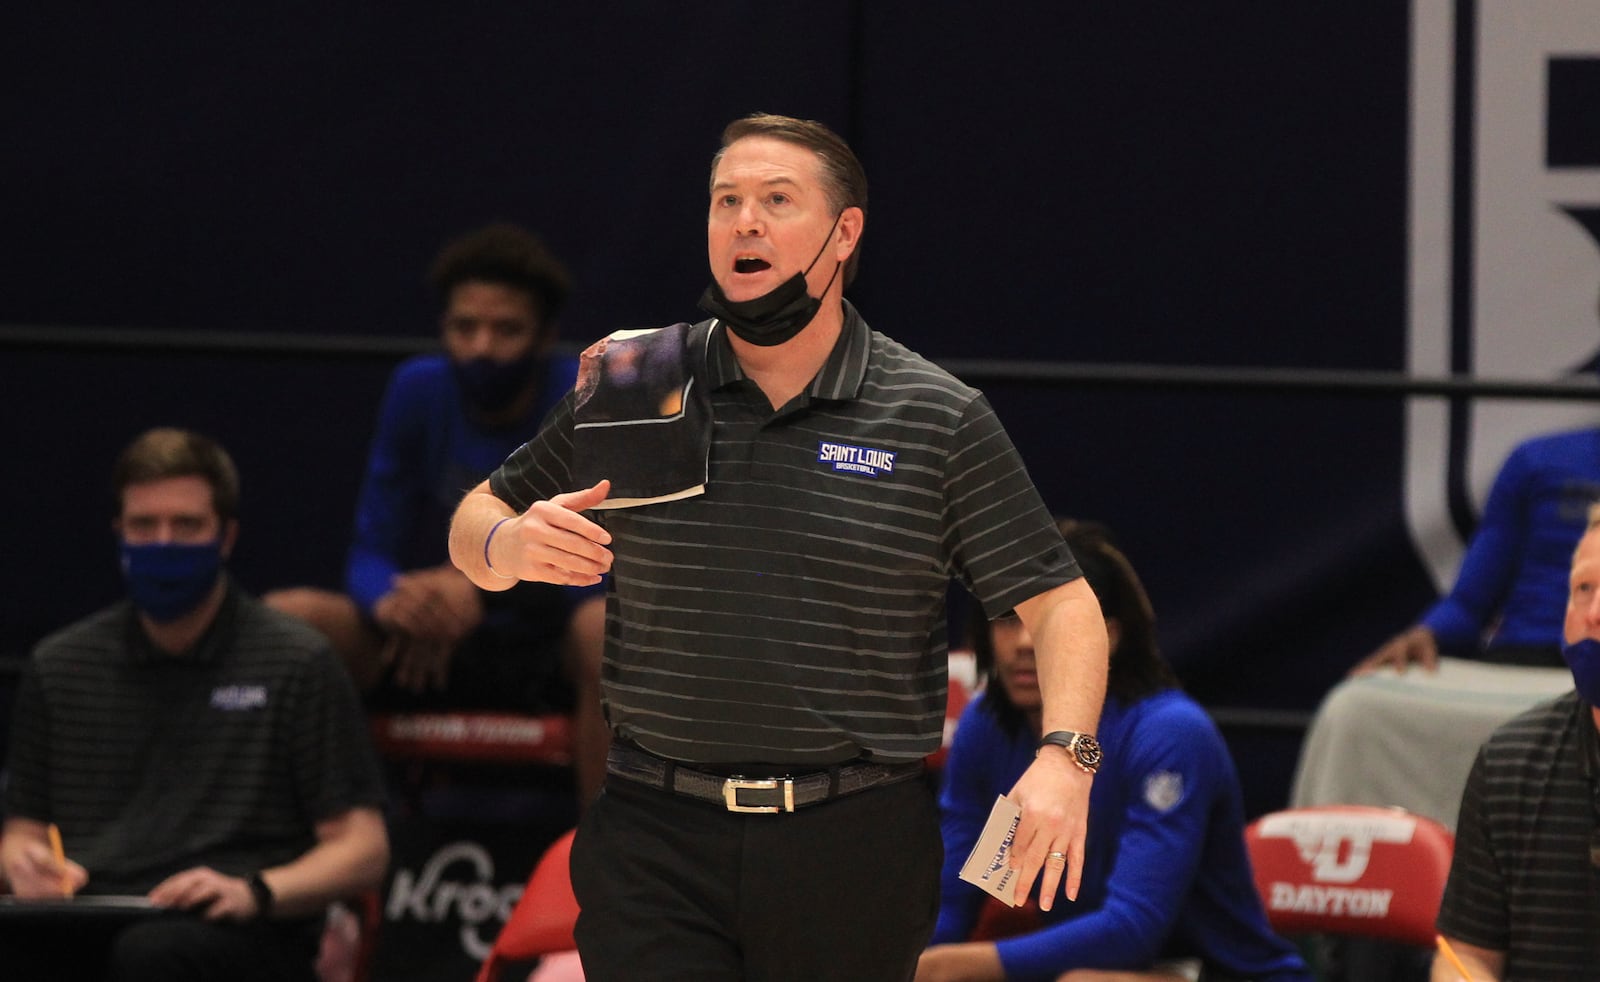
[491, 386]
[775, 316]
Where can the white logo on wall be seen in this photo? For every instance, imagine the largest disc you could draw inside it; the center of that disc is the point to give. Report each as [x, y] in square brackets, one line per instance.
[1337, 850]
[1504, 241]
[429, 896]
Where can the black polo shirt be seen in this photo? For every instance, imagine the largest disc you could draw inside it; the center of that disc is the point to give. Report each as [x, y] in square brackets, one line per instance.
[1523, 880]
[225, 757]
[795, 612]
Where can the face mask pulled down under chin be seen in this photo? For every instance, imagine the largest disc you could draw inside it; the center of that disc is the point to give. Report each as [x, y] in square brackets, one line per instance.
[767, 320]
[777, 315]
[167, 580]
[1583, 657]
[490, 386]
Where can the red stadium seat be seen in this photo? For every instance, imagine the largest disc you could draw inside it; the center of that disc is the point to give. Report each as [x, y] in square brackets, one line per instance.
[1351, 870]
[544, 917]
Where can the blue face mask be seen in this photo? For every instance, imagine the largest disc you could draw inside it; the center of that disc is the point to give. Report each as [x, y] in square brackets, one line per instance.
[167, 580]
[490, 386]
[1583, 658]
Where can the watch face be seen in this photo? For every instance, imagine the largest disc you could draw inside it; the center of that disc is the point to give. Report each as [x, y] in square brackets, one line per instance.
[1088, 751]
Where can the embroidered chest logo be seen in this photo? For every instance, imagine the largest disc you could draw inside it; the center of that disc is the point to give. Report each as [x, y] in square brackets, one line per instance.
[236, 698]
[855, 460]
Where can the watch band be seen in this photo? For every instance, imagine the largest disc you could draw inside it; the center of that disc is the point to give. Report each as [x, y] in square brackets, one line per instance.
[262, 894]
[1082, 748]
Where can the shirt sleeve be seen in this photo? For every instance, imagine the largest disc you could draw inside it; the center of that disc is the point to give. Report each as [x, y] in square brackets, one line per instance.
[541, 468]
[1475, 907]
[1171, 781]
[391, 493]
[335, 766]
[1489, 567]
[1001, 540]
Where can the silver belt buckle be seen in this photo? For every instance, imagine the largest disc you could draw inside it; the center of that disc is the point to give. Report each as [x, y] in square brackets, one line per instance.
[733, 785]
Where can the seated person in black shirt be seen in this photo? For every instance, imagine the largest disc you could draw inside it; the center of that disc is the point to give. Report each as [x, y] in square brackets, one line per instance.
[191, 746]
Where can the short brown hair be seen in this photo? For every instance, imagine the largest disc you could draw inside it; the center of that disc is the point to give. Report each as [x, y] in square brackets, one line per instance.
[165, 452]
[844, 180]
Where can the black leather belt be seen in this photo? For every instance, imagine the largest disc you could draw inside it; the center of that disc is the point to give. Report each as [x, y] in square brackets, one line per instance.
[742, 793]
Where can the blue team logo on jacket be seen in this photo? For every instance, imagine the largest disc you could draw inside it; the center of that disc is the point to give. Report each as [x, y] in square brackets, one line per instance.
[855, 460]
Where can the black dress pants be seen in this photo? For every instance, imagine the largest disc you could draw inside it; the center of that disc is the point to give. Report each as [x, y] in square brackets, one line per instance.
[673, 889]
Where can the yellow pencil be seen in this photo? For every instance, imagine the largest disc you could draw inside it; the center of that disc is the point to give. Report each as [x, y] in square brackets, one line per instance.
[1450, 953]
[61, 859]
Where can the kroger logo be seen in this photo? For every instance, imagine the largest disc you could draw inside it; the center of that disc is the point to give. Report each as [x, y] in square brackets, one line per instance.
[431, 896]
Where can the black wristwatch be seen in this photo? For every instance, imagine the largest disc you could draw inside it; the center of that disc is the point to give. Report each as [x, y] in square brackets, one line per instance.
[262, 893]
[1083, 748]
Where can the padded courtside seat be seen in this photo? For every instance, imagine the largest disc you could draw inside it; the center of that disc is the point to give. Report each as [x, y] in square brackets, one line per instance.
[1351, 870]
[543, 919]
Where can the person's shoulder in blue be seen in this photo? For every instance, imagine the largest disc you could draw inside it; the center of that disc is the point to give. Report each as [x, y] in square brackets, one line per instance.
[1166, 878]
[1510, 594]
[414, 632]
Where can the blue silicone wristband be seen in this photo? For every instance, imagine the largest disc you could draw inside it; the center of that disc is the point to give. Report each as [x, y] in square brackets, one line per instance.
[490, 538]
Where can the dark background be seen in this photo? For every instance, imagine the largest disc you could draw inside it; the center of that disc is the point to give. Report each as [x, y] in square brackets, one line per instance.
[1163, 183]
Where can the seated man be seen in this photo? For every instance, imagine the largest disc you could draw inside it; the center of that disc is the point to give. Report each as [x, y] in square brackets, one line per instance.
[1521, 900]
[414, 631]
[1166, 877]
[1508, 596]
[190, 745]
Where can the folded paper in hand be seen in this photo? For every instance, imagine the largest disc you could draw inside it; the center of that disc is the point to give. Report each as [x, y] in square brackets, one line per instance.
[988, 867]
[641, 418]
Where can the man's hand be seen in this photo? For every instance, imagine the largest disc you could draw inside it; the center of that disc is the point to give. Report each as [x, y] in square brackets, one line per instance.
[416, 664]
[1484, 964]
[215, 896]
[35, 874]
[438, 604]
[552, 542]
[1054, 795]
[1413, 646]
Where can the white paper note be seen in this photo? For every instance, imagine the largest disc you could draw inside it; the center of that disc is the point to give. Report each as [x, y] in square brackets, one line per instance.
[987, 867]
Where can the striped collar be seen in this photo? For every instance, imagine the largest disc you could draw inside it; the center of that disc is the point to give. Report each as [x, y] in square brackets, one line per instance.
[841, 377]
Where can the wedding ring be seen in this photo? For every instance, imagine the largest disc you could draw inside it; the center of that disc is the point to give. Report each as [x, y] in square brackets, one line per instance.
[1058, 857]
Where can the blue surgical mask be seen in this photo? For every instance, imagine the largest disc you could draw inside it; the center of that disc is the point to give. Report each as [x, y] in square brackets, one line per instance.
[167, 580]
[1583, 657]
[491, 386]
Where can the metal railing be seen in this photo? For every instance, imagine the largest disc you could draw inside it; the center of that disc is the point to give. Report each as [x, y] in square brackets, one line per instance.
[1124, 375]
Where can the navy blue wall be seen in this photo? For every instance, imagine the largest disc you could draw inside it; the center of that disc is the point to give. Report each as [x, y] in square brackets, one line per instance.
[1187, 184]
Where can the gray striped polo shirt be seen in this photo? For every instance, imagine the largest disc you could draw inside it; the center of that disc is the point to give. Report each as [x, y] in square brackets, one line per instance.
[226, 757]
[1523, 880]
[795, 612]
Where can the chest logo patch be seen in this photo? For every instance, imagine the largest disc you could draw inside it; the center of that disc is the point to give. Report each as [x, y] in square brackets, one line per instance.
[844, 458]
[237, 698]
